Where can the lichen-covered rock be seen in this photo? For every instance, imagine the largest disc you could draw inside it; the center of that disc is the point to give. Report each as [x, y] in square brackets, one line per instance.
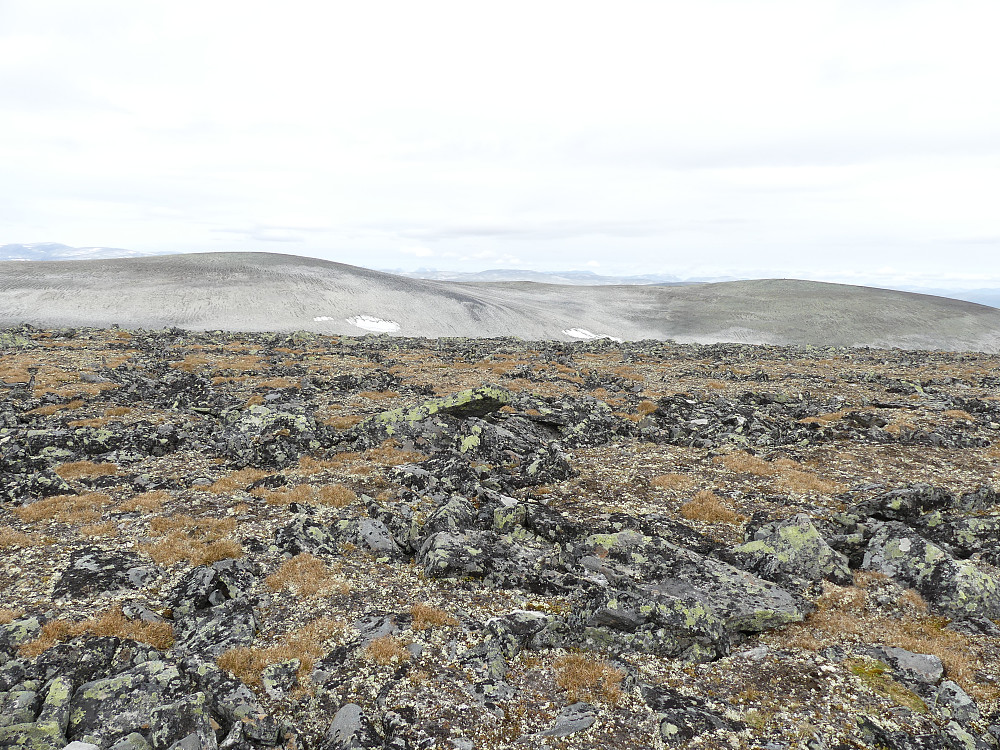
[925, 669]
[958, 588]
[19, 707]
[280, 678]
[48, 730]
[475, 402]
[792, 547]
[954, 703]
[80, 660]
[376, 537]
[231, 700]
[574, 421]
[263, 437]
[506, 637]
[180, 720]
[108, 709]
[571, 719]
[217, 629]
[654, 567]
[351, 730]
[92, 570]
[448, 554]
[304, 534]
[684, 718]
[210, 585]
[13, 634]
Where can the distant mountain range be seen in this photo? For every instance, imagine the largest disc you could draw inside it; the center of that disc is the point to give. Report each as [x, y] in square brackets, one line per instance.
[572, 278]
[53, 251]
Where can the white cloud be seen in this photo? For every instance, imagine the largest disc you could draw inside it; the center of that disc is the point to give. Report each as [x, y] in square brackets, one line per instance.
[776, 136]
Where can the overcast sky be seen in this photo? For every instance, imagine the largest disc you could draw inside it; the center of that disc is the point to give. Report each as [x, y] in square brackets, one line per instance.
[850, 141]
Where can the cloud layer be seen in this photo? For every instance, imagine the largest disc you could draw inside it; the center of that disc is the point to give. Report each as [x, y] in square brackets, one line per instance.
[780, 138]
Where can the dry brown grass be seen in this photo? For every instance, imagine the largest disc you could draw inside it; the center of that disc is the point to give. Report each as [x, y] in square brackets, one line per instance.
[426, 616]
[387, 650]
[343, 421]
[148, 501]
[277, 383]
[709, 507]
[112, 622]
[824, 419]
[959, 414]
[191, 363]
[236, 480]
[673, 481]
[313, 465]
[106, 528]
[793, 480]
[897, 426]
[646, 407]
[201, 541]
[307, 644]
[335, 495]
[49, 409]
[81, 469]
[177, 547]
[65, 508]
[844, 613]
[588, 678]
[742, 462]
[8, 616]
[308, 576]
[10, 538]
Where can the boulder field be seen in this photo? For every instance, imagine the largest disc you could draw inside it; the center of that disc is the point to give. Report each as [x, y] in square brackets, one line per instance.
[225, 540]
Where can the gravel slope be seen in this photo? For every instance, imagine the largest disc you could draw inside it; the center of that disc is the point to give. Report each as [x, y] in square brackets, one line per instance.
[271, 292]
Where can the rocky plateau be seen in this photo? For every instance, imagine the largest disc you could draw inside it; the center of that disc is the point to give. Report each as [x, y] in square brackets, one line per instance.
[295, 540]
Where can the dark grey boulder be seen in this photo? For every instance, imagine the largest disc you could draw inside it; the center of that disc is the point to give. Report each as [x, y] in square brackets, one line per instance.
[792, 547]
[13, 634]
[92, 570]
[185, 723]
[351, 730]
[951, 702]
[684, 718]
[710, 601]
[211, 585]
[110, 708]
[80, 660]
[211, 632]
[232, 701]
[455, 555]
[376, 537]
[506, 637]
[957, 588]
[281, 678]
[19, 707]
[571, 719]
[926, 669]
[307, 535]
[264, 437]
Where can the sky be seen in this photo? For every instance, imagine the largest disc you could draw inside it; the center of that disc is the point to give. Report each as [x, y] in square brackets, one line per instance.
[853, 141]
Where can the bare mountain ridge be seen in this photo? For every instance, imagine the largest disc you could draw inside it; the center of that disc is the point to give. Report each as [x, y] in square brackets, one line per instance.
[271, 292]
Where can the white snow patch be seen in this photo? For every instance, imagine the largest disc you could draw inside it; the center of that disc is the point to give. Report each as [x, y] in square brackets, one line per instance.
[583, 333]
[371, 323]
[322, 319]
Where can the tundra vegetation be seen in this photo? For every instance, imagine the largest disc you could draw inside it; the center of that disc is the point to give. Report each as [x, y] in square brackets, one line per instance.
[292, 540]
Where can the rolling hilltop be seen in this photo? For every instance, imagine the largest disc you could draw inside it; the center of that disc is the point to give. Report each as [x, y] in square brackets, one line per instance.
[270, 292]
